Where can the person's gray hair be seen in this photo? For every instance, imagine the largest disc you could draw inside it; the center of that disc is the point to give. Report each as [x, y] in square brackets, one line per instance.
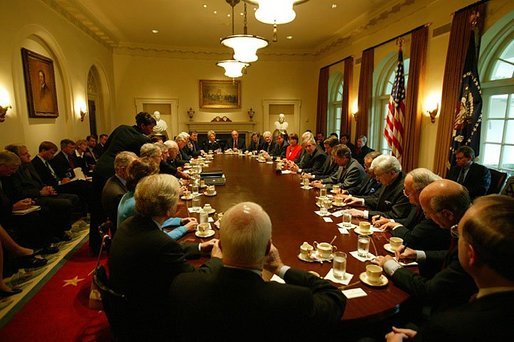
[422, 177]
[161, 145]
[123, 159]
[155, 195]
[386, 163]
[8, 158]
[171, 144]
[244, 234]
[211, 132]
[306, 136]
[150, 150]
[183, 135]
[266, 134]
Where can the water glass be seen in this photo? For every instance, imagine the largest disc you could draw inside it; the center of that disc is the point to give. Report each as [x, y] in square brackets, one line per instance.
[195, 204]
[339, 265]
[347, 219]
[195, 189]
[363, 246]
[323, 192]
[306, 182]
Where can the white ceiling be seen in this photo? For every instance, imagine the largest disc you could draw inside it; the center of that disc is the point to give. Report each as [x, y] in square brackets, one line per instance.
[188, 25]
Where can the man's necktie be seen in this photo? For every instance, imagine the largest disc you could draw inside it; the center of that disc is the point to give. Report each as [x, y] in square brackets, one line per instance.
[51, 171]
[460, 179]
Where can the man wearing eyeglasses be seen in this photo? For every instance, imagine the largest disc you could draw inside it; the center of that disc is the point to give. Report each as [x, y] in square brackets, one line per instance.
[486, 251]
[443, 202]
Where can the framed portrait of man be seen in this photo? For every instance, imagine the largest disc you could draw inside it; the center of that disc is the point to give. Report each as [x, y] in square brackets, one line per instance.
[40, 87]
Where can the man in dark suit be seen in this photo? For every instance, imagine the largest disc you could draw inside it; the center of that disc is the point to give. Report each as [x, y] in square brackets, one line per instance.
[100, 145]
[361, 149]
[62, 162]
[235, 143]
[314, 160]
[237, 300]
[143, 260]
[280, 146]
[369, 184]
[90, 154]
[181, 139]
[485, 252]
[444, 202]
[329, 167]
[420, 233]
[123, 138]
[268, 145]
[389, 201]
[193, 149]
[345, 140]
[475, 177]
[116, 187]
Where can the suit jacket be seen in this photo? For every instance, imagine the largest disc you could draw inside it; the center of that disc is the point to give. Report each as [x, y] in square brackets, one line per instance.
[477, 181]
[329, 168]
[254, 146]
[450, 287]
[489, 318]
[123, 138]
[280, 150]
[26, 182]
[211, 146]
[62, 166]
[44, 172]
[314, 162]
[268, 147]
[193, 149]
[90, 157]
[99, 150]
[113, 191]
[389, 201]
[143, 261]
[184, 154]
[239, 302]
[240, 145]
[424, 235]
[368, 187]
[360, 154]
[349, 177]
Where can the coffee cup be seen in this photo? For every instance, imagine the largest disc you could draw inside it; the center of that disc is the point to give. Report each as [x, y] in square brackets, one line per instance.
[202, 183]
[373, 273]
[203, 227]
[324, 249]
[364, 227]
[338, 201]
[395, 243]
[187, 194]
[207, 207]
[211, 190]
[306, 249]
[336, 189]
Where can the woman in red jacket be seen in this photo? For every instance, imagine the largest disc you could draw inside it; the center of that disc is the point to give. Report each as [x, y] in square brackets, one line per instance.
[293, 150]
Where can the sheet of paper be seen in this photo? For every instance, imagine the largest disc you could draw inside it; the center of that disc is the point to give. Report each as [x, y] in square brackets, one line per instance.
[327, 219]
[277, 279]
[354, 293]
[343, 231]
[355, 254]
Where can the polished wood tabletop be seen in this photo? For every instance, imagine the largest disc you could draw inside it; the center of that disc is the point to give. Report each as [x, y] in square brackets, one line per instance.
[291, 209]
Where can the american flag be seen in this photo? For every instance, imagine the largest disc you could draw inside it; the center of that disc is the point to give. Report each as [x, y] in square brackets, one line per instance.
[395, 111]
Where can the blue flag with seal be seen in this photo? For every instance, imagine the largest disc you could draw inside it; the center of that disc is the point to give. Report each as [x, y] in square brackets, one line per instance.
[468, 120]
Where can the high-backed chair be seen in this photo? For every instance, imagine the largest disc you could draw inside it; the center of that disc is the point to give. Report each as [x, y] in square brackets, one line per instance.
[509, 187]
[497, 180]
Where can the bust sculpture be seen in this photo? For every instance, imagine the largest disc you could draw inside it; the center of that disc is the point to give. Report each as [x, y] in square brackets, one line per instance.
[161, 126]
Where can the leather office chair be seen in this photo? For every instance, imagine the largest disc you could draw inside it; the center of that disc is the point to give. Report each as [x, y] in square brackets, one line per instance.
[497, 180]
[508, 190]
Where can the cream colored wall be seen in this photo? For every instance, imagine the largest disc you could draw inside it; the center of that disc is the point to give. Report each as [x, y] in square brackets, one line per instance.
[436, 13]
[35, 26]
[162, 77]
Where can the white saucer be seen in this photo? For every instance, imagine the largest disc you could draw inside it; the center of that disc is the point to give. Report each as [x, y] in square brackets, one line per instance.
[306, 259]
[388, 248]
[338, 205]
[210, 195]
[364, 278]
[186, 198]
[358, 231]
[316, 257]
[208, 233]
[212, 211]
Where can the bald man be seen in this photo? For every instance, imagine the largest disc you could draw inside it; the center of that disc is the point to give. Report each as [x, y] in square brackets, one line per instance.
[443, 202]
[236, 301]
[235, 142]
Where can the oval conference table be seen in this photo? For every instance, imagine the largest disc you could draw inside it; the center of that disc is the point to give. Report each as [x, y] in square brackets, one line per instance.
[291, 210]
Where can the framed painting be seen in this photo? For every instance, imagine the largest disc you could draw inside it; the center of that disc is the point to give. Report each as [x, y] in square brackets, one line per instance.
[220, 94]
[39, 76]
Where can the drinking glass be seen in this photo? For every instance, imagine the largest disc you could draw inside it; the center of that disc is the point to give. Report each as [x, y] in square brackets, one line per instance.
[195, 189]
[305, 182]
[323, 192]
[195, 204]
[363, 246]
[347, 219]
[339, 265]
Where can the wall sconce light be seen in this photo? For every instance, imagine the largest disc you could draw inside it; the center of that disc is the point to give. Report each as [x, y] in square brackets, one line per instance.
[251, 113]
[190, 113]
[3, 112]
[82, 114]
[433, 113]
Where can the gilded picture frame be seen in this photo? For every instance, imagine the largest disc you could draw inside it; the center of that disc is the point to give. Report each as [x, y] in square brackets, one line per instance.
[40, 86]
[220, 94]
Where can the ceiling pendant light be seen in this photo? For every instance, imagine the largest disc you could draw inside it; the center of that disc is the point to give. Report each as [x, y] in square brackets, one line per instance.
[233, 68]
[245, 46]
[275, 12]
